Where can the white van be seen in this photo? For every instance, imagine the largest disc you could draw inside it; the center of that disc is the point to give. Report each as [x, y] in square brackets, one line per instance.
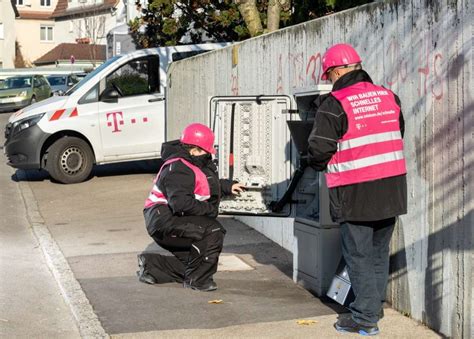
[116, 113]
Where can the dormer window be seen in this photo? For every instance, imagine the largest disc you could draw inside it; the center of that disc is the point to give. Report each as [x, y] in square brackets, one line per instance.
[44, 3]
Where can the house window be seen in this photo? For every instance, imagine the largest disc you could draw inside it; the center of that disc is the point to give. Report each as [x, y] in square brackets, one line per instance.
[19, 2]
[46, 33]
[44, 3]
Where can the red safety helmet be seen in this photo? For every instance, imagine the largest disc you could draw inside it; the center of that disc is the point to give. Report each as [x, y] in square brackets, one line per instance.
[199, 135]
[339, 55]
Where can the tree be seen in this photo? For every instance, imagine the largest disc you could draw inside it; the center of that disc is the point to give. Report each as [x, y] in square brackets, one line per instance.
[90, 26]
[19, 61]
[175, 22]
[253, 15]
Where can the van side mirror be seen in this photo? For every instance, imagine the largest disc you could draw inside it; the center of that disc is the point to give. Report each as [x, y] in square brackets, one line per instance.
[110, 95]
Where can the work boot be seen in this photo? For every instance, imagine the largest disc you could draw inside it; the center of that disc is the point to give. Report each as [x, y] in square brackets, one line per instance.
[207, 287]
[142, 273]
[351, 326]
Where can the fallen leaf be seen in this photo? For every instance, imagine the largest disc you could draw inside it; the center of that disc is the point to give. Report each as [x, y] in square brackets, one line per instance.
[217, 301]
[306, 322]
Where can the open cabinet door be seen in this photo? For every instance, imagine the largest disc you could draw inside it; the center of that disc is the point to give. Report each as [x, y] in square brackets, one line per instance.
[253, 147]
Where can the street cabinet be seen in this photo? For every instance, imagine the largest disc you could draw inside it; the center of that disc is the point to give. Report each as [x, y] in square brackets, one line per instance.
[255, 146]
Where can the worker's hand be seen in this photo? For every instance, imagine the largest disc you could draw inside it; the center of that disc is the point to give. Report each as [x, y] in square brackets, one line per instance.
[238, 188]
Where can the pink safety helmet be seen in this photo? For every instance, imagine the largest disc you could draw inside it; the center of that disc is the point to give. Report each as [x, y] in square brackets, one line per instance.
[339, 55]
[199, 135]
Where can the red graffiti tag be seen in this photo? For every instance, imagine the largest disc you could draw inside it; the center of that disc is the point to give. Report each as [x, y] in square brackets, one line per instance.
[398, 63]
[314, 63]
[279, 88]
[234, 87]
[439, 94]
[296, 61]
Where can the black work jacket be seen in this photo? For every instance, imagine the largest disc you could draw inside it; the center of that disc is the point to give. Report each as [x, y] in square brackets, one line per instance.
[368, 201]
[177, 184]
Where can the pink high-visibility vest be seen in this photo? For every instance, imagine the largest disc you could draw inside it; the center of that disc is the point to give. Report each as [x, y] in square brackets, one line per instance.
[372, 147]
[201, 185]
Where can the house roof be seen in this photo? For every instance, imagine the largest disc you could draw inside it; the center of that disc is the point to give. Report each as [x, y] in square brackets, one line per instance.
[79, 51]
[62, 9]
[40, 15]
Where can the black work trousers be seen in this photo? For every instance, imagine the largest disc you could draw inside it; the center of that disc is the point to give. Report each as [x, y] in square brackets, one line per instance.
[196, 243]
[365, 247]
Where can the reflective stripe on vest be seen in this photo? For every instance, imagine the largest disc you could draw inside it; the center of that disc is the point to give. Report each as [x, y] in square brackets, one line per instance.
[201, 185]
[372, 147]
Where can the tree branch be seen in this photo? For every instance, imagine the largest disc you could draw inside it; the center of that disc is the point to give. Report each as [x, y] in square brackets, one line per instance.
[248, 10]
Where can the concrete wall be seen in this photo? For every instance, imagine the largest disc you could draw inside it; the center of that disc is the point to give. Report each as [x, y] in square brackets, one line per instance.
[423, 51]
[7, 43]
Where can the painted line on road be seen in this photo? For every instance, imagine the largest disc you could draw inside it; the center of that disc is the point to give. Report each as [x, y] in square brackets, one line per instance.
[87, 321]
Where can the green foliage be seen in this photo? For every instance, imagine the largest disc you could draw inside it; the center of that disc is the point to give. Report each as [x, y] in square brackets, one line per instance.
[131, 84]
[175, 22]
[305, 10]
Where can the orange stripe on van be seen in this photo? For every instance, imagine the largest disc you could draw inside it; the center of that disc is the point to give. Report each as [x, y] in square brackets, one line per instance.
[57, 115]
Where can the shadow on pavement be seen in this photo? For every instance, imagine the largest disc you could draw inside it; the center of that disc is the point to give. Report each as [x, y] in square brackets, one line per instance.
[124, 168]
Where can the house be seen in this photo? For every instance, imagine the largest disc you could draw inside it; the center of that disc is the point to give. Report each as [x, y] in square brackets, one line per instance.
[43, 25]
[73, 56]
[8, 12]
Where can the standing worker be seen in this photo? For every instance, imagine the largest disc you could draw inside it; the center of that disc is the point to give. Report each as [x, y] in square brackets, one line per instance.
[181, 211]
[357, 140]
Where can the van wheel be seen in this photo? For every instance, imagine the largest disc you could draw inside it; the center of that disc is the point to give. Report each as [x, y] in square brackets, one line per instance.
[70, 160]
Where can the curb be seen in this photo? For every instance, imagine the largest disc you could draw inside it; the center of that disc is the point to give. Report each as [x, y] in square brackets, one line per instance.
[86, 320]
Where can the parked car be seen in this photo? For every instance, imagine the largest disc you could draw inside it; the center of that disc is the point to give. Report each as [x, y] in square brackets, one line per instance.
[22, 90]
[60, 83]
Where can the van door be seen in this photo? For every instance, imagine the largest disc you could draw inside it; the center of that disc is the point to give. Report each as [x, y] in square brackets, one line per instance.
[131, 111]
[253, 148]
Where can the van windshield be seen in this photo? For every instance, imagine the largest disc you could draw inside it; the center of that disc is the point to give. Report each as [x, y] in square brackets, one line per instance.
[92, 74]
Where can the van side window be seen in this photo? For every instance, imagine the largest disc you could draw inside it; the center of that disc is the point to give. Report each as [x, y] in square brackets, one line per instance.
[183, 55]
[92, 95]
[137, 77]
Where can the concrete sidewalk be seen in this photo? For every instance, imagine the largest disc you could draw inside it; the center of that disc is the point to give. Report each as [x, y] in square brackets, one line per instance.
[31, 304]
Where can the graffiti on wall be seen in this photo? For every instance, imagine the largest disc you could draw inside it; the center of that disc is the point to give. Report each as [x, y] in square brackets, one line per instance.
[428, 68]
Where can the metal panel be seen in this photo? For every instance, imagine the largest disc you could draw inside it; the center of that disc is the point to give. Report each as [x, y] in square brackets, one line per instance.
[316, 254]
[252, 139]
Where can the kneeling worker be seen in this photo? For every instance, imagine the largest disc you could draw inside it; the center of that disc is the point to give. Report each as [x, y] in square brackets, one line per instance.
[181, 211]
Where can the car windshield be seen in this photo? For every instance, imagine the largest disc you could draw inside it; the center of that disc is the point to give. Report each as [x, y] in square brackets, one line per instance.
[91, 75]
[16, 82]
[57, 80]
